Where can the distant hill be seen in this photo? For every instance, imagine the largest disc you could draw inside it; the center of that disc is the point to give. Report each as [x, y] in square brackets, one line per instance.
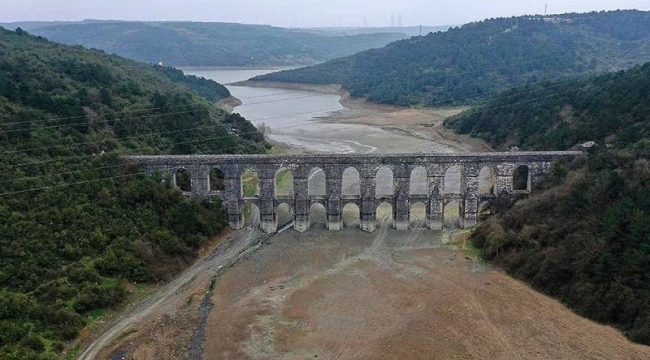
[67, 253]
[30, 25]
[209, 44]
[466, 65]
[584, 238]
[408, 30]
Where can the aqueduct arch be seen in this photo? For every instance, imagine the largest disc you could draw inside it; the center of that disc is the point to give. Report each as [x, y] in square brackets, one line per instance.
[335, 169]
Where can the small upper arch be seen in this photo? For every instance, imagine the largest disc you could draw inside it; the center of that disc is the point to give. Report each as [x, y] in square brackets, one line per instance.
[284, 182]
[351, 182]
[521, 178]
[418, 182]
[317, 182]
[217, 179]
[384, 182]
[183, 179]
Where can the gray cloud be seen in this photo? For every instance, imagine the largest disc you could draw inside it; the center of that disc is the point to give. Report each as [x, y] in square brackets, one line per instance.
[299, 13]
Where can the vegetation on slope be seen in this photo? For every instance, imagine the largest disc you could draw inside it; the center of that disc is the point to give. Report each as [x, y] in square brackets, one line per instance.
[611, 109]
[208, 89]
[67, 251]
[465, 65]
[585, 239]
[212, 44]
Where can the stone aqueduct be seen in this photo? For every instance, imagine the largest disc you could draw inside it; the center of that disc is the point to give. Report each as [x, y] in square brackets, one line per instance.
[231, 168]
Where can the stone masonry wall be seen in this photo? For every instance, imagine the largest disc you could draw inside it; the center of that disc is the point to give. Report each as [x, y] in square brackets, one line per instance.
[401, 165]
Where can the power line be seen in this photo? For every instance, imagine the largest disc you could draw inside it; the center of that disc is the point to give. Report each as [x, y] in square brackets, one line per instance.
[197, 106]
[72, 184]
[289, 92]
[130, 111]
[332, 109]
[203, 106]
[262, 119]
[87, 156]
[293, 126]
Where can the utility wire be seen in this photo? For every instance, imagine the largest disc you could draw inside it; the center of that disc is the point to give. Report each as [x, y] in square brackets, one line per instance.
[285, 127]
[472, 112]
[243, 133]
[268, 95]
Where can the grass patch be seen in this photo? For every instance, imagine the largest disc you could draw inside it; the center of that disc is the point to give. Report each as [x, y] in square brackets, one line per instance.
[250, 183]
[284, 182]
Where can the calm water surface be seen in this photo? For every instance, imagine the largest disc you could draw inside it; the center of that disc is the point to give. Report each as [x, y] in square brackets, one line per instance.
[289, 113]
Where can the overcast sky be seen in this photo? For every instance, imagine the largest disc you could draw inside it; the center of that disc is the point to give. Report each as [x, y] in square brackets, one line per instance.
[300, 13]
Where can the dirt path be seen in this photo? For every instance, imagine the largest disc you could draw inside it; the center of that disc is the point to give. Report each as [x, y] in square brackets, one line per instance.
[168, 299]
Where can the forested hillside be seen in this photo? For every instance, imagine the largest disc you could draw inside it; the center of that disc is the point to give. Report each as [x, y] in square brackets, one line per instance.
[466, 65]
[611, 109]
[77, 227]
[585, 239]
[212, 44]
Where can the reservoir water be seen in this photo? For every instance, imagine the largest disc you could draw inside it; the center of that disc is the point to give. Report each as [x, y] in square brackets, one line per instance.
[294, 117]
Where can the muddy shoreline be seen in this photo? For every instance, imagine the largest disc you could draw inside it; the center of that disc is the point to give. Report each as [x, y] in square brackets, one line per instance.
[229, 104]
[417, 123]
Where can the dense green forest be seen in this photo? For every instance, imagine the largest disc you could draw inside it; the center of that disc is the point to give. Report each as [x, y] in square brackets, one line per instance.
[585, 239]
[66, 252]
[211, 44]
[612, 110]
[467, 64]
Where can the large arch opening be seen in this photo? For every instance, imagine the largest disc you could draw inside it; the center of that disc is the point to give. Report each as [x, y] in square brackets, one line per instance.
[251, 215]
[351, 183]
[183, 180]
[316, 182]
[284, 214]
[452, 215]
[351, 215]
[250, 182]
[384, 214]
[418, 183]
[521, 179]
[283, 182]
[384, 182]
[452, 180]
[318, 216]
[217, 180]
[486, 181]
[418, 216]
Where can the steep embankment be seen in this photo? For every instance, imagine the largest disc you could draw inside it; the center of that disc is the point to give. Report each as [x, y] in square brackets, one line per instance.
[212, 44]
[77, 227]
[466, 65]
[585, 238]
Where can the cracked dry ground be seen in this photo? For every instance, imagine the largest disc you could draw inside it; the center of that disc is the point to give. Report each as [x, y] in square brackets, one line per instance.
[390, 295]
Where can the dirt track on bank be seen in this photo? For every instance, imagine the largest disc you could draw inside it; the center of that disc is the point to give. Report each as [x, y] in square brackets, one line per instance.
[175, 297]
